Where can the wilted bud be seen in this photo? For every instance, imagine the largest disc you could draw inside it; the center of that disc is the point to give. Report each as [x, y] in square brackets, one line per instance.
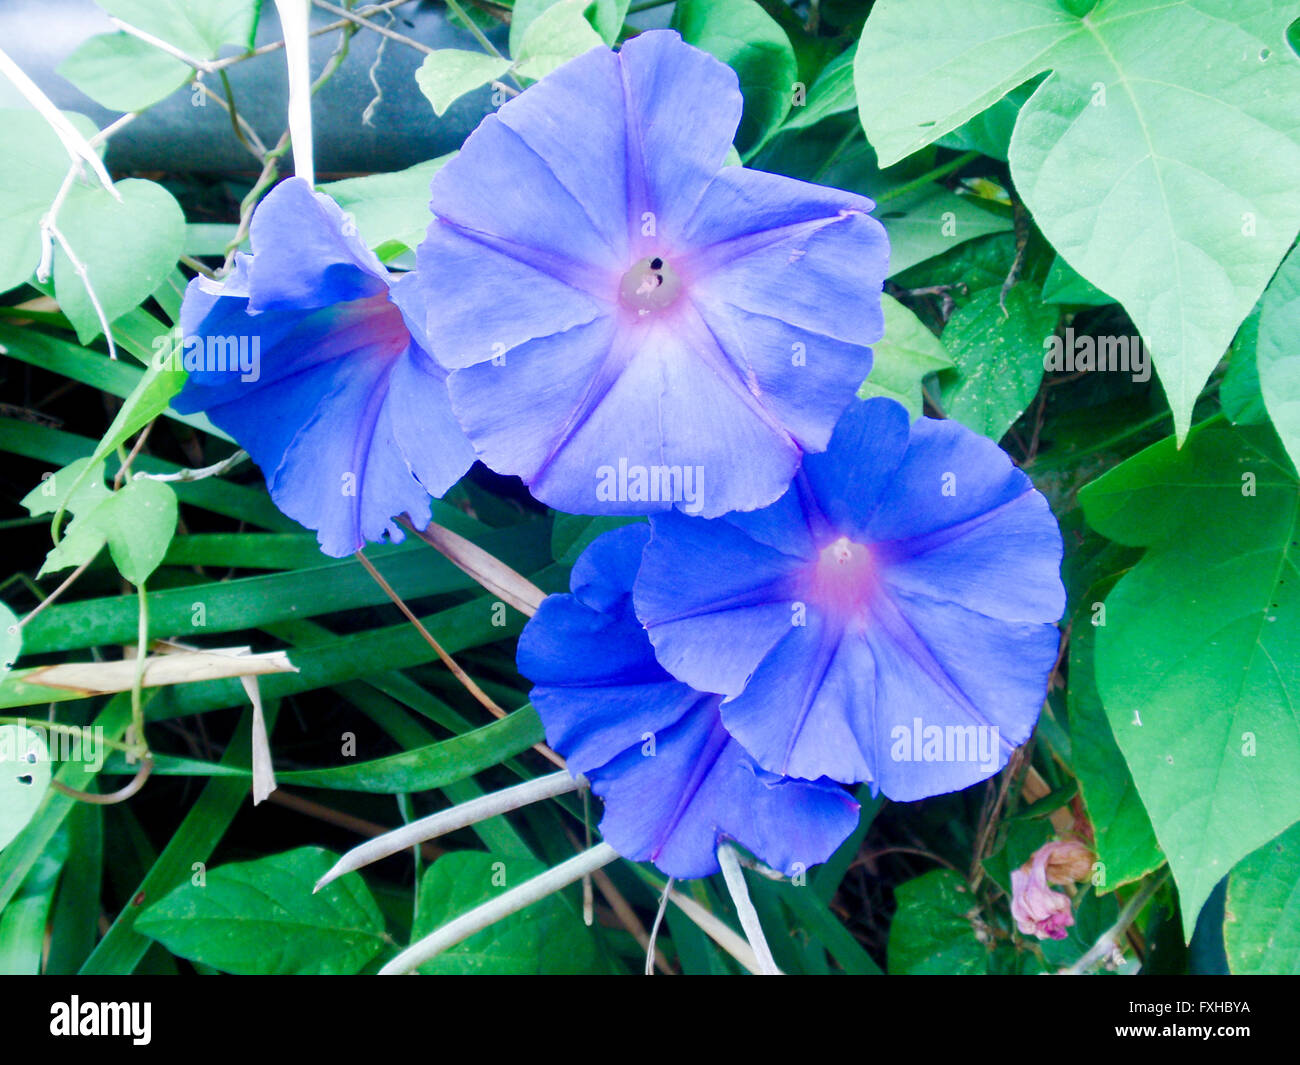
[1069, 862]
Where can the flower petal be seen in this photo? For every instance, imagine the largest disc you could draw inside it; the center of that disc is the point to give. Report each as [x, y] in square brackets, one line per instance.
[948, 476]
[674, 782]
[525, 176]
[703, 580]
[482, 301]
[683, 110]
[305, 389]
[308, 253]
[952, 669]
[821, 664]
[598, 687]
[805, 254]
[426, 431]
[858, 470]
[810, 706]
[967, 563]
[700, 788]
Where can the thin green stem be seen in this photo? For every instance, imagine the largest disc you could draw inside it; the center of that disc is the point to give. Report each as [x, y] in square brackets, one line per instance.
[137, 684]
[926, 178]
[850, 135]
[481, 37]
[67, 730]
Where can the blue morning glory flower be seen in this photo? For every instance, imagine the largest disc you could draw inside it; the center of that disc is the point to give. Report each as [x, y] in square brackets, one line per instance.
[890, 618]
[306, 355]
[632, 325]
[674, 783]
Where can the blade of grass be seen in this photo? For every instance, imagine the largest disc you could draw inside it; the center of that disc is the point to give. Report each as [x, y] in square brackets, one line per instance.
[75, 926]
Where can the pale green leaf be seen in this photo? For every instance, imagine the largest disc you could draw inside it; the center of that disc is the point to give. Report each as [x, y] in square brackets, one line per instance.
[24, 778]
[752, 43]
[33, 164]
[389, 207]
[449, 73]
[1277, 353]
[1192, 203]
[123, 73]
[558, 34]
[127, 249]
[197, 27]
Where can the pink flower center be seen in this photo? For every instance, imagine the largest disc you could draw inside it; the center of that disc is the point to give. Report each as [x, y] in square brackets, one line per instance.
[843, 578]
[650, 286]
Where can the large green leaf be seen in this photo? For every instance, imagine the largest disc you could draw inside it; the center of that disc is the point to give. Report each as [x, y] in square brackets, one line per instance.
[932, 932]
[547, 937]
[124, 73]
[1125, 843]
[1277, 353]
[262, 918]
[137, 521]
[749, 40]
[127, 248]
[1239, 393]
[1261, 927]
[1159, 157]
[831, 94]
[197, 27]
[921, 222]
[1198, 663]
[33, 164]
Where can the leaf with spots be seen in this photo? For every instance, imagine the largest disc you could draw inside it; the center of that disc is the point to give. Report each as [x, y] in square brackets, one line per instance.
[24, 778]
[999, 357]
[1261, 928]
[932, 932]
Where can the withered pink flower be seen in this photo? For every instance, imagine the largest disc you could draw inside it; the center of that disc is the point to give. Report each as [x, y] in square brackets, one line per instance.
[1038, 910]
